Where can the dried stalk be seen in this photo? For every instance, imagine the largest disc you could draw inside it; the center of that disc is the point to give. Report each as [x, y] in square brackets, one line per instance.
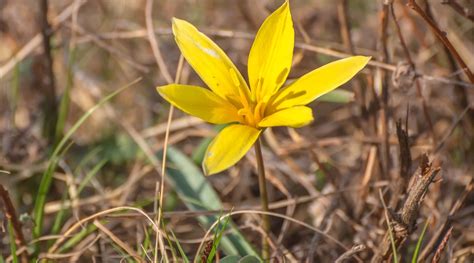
[404, 220]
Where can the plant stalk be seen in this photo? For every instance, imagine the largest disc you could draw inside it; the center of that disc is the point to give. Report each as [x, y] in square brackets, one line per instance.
[262, 183]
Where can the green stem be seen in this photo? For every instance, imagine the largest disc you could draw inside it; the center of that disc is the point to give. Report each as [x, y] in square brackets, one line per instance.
[264, 200]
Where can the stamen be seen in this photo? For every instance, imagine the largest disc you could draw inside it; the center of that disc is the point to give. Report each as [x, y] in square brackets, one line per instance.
[259, 111]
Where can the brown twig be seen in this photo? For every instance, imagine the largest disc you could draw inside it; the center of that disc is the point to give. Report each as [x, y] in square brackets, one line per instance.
[466, 12]
[10, 213]
[405, 165]
[48, 84]
[442, 245]
[446, 225]
[350, 253]
[460, 92]
[384, 149]
[404, 221]
[442, 37]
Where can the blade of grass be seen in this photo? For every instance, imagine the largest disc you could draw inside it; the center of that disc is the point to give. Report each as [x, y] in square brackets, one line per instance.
[65, 99]
[146, 244]
[170, 242]
[77, 238]
[47, 177]
[12, 242]
[180, 249]
[390, 230]
[91, 174]
[414, 259]
[190, 184]
[62, 212]
[217, 239]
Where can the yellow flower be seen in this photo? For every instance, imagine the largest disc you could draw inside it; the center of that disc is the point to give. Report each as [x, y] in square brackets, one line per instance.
[265, 104]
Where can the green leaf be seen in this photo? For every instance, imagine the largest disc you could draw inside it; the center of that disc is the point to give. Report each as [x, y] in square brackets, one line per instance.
[198, 195]
[338, 96]
[231, 259]
[250, 259]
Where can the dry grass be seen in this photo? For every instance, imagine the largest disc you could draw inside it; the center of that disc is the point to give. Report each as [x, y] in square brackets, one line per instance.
[400, 150]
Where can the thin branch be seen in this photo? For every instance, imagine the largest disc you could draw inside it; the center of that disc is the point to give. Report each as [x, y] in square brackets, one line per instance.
[47, 79]
[466, 12]
[442, 37]
[404, 221]
[10, 214]
[446, 225]
[154, 42]
[384, 149]
[350, 253]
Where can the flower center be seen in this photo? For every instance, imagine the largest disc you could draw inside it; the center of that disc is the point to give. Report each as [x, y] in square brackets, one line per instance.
[252, 114]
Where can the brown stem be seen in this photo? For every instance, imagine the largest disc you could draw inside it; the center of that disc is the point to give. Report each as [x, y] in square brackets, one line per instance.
[442, 37]
[262, 183]
[50, 105]
[384, 113]
[466, 12]
[10, 214]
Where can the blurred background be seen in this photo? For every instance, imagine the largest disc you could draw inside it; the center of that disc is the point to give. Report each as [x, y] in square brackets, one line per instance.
[401, 131]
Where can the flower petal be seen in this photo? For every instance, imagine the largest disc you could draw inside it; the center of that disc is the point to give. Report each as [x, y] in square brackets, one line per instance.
[210, 62]
[199, 102]
[318, 82]
[229, 146]
[293, 117]
[271, 54]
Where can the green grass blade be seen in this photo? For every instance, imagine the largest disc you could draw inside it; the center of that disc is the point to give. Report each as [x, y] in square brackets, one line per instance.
[190, 184]
[180, 249]
[90, 175]
[58, 219]
[12, 242]
[77, 238]
[414, 259]
[65, 99]
[217, 239]
[47, 177]
[62, 212]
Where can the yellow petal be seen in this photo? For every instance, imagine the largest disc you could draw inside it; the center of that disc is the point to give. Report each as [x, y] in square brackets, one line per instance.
[271, 54]
[199, 102]
[293, 117]
[318, 82]
[210, 62]
[229, 146]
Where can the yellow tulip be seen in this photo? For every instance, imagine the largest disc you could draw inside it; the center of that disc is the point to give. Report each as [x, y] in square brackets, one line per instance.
[266, 103]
